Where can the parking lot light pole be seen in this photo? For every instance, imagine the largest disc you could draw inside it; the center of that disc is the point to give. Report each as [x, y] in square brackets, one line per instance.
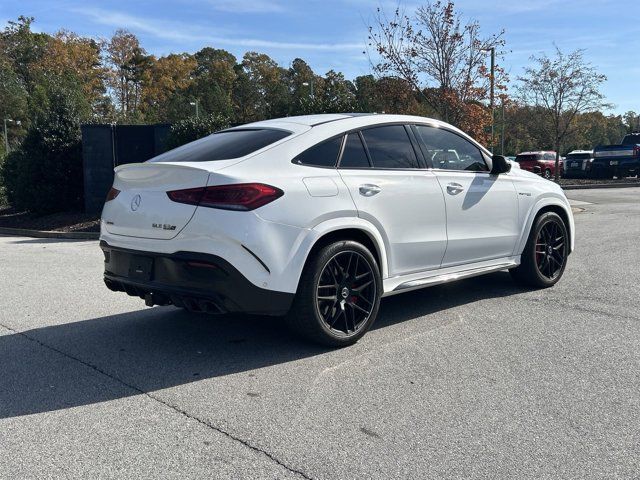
[492, 103]
[310, 85]
[196, 105]
[6, 137]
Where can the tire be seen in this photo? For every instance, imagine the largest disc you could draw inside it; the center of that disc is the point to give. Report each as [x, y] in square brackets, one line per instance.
[338, 295]
[538, 267]
[547, 174]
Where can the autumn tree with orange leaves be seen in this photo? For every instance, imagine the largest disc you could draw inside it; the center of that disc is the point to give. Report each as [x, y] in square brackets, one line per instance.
[442, 58]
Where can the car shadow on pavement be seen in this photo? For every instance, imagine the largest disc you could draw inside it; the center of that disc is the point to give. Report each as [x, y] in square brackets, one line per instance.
[52, 368]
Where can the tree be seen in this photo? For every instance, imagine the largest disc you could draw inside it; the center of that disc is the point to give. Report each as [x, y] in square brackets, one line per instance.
[67, 54]
[561, 88]
[167, 77]
[45, 174]
[440, 57]
[129, 66]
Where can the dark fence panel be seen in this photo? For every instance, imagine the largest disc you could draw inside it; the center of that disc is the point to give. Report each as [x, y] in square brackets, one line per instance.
[104, 147]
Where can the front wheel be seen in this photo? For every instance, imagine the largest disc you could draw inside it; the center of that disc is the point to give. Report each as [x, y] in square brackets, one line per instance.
[547, 174]
[545, 256]
[338, 295]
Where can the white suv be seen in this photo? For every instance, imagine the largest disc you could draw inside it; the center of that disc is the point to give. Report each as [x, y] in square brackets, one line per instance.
[318, 217]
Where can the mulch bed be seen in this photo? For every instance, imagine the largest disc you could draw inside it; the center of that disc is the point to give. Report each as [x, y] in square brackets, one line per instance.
[60, 222]
[594, 181]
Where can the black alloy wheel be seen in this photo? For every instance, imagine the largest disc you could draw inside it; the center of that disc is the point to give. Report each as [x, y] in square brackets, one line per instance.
[551, 244]
[338, 295]
[545, 255]
[346, 293]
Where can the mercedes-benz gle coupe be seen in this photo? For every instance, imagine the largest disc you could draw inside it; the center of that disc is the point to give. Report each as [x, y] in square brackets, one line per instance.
[316, 218]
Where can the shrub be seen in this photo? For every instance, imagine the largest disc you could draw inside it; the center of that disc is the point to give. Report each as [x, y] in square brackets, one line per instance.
[45, 174]
[193, 128]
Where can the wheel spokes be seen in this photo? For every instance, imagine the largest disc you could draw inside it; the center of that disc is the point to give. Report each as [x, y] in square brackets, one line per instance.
[346, 292]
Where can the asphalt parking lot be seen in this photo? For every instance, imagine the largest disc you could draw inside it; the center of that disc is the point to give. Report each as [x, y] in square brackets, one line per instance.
[478, 379]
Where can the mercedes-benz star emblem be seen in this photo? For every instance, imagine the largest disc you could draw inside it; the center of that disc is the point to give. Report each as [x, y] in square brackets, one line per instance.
[135, 203]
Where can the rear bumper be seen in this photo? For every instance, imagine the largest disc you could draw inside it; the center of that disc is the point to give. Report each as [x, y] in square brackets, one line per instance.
[196, 281]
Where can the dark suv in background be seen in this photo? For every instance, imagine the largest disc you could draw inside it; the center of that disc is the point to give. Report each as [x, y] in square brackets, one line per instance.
[621, 160]
[577, 164]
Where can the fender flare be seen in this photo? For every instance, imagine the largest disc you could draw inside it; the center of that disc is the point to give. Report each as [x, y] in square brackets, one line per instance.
[313, 235]
[544, 202]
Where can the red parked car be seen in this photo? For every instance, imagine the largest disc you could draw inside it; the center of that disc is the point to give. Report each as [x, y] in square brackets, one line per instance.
[541, 163]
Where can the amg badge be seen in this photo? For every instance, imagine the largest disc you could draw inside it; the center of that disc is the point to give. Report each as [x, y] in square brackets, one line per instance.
[163, 226]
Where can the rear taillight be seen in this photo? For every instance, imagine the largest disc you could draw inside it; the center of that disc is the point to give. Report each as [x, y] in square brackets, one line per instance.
[113, 193]
[241, 196]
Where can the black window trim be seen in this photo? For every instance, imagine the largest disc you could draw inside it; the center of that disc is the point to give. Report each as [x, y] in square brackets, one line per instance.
[338, 157]
[423, 161]
[359, 131]
[364, 145]
[475, 144]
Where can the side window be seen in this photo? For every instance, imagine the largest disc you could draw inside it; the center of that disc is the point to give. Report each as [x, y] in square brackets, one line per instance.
[390, 147]
[324, 154]
[549, 156]
[449, 151]
[354, 155]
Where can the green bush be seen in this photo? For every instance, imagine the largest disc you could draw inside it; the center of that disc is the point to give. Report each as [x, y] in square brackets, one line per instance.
[44, 175]
[193, 128]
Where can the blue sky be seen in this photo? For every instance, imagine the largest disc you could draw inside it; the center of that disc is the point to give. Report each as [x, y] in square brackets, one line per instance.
[331, 34]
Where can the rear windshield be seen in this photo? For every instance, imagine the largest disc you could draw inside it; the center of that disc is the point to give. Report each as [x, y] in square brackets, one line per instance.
[579, 156]
[631, 139]
[223, 145]
[528, 158]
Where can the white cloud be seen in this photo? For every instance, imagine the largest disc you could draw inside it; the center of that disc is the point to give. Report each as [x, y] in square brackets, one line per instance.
[247, 6]
[191, 33]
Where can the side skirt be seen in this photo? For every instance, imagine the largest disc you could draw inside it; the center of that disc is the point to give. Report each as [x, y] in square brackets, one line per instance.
[395, 285]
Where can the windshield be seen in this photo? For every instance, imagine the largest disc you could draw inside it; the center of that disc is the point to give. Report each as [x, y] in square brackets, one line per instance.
[529, 158]
[224, 145]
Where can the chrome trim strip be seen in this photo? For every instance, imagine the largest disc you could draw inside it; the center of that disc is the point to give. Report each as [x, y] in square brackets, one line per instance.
[450, 277]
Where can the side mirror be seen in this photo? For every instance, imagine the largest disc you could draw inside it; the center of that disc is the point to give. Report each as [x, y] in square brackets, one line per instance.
[500, 165]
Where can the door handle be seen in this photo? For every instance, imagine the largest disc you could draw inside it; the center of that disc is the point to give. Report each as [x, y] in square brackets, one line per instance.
[369, 190]
[454, 188]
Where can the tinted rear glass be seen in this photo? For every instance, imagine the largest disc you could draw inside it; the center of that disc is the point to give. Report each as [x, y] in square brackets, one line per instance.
[528, 158]
[631, 139]
[390, 147]
[324, 154]
[223, 145]
[354, 155]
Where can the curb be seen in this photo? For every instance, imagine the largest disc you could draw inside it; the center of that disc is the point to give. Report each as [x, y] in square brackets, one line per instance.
[23, 232]
[600, 185]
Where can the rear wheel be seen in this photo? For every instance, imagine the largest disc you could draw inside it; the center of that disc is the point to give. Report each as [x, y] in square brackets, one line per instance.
[338, 296]
[545, 256]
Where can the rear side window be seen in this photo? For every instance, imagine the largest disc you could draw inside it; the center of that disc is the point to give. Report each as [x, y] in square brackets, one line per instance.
[354, 155]
[631, 139]
[449, 151]
[390, 147]
[324, 154]
[223, 145]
